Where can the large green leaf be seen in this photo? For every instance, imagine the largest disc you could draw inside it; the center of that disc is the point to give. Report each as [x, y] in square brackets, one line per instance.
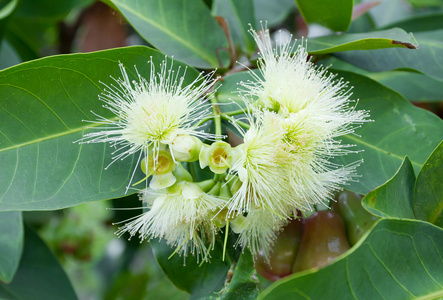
[200, 279]
[11, 243]
[238, 15]
[273, 12]
[389, 11]
[183, 29]
[429, 189]
[390, 38]
[39, 275]
[42, 105]
[399, 129]
[419, 88]
[399, 259]
[433, 21]
[395, 198]
[428, 59]
[244, 282]
[335, 15]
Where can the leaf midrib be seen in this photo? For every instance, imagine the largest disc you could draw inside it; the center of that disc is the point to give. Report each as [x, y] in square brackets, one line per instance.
[53, 136]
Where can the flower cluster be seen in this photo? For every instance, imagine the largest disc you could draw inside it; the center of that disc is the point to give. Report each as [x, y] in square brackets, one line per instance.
[295, 112]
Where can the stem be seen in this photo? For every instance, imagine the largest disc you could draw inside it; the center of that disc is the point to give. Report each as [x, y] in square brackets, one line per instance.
[217, 121]
[240, 123]
[204, 120]
[237, 112]
[191, 170]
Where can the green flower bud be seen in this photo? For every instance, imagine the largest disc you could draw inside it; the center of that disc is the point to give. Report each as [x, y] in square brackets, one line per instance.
[160, 169]
[217, 156]
[186, 147]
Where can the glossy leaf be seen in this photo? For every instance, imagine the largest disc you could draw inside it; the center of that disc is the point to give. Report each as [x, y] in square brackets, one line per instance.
[6, 10]
[273, 12]
[395, 198]
[389, 11]
[200, 279]
[427, 60]
[399, 129]
[42, 106]
[11, 243]
[39, 275]
[433, 21]
[429, 189]
[183, 29]
[335, 15]
[399, 259]
[419, 88]
[238, 15]
[390, 38]
[244, 283]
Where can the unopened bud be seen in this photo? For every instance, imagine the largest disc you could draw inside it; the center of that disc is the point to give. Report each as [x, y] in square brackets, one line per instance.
[217, 156]
[186, 147]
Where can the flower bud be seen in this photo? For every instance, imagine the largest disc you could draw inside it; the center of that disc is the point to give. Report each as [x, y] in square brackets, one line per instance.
[185, 147]
[160, 169]
[217, 156]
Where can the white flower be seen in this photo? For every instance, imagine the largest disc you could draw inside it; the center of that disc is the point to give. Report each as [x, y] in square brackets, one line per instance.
[313, 110]
[262, 167]
[151, 113]
[180, 214]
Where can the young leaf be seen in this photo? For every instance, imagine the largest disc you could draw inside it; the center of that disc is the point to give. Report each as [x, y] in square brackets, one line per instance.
[399, 259]
[11, 243]
[428, 203]
[183, 29]
[427, 59]
[395, 198]
[335, 15]
[39, 275]
[42, 106]
[390, 38]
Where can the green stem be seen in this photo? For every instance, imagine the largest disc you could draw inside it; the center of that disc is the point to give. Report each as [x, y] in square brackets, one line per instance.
[204, 120]
[236, 112]
[191, 170]
[217, 121]
[240, 123]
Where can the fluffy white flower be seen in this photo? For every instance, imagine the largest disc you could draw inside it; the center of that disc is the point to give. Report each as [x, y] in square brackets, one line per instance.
[151, 113]
[180, 214]
[313, 110]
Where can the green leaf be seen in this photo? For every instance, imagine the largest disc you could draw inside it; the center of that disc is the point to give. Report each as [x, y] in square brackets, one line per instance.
[395, 198]
[427, 60]
[429, 189]
[399, 129]
[48, 10]
[390, 38]
[200, 279]
[335, 15]
[238, 15]
[244, 283]
[11, 243]
[419, 88]
[433, 21]
[273, 12]
[399, 259]
[39, 275]
[183, 29]
[42, 105]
